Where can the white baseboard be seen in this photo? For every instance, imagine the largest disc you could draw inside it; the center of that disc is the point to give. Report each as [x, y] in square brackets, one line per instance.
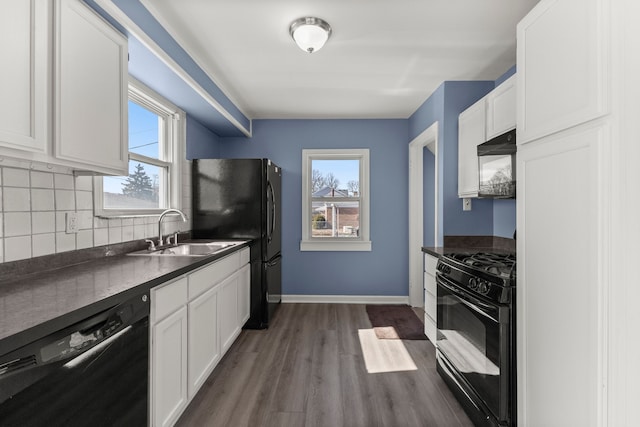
[345, 299]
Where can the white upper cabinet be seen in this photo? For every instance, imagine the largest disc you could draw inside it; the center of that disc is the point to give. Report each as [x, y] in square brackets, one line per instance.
[24, 34]
[90, 80]
[501, 108]
[471, 132]
[561, 67]
[63, 102]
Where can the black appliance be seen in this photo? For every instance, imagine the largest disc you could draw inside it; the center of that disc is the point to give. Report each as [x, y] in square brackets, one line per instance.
[476, 333]
[241, 199]
[94, 372]
[497, 167]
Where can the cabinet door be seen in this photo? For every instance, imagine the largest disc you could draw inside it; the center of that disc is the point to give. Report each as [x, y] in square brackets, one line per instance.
[561, 78]
[560, 346]
[169, 368]
[228, 309]
[471, 132]
[204, 342]
[430, 302]
[24, 35]
[501, 108]
[244, 294]
[90, 81]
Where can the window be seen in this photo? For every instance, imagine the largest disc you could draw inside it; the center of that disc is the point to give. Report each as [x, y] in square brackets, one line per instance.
[335, 200]
[156, 137]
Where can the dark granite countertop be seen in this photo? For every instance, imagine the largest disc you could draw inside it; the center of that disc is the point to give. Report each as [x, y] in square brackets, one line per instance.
[472, 244]
[35, 305]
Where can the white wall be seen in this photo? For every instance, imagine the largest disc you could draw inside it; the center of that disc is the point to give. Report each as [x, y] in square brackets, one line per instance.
[35, 198]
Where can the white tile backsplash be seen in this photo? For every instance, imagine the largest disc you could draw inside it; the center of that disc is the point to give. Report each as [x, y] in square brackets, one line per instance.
[127, 233]
[16, 199]
[63, 181]
[42, 199]
[43, 222]
[17, 224]
[84, 200]
[65, 242]
[115, 235]
[84, 239]
[65, 200]
[61, 220]
[84, 183]
[85, 220]
[16, 248]
[100, 236]
[41, 179]
[43, 244]
[34, 202]
[12, 177]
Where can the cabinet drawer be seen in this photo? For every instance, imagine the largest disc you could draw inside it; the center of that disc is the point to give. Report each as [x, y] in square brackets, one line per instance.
[168, 298]
[430, 305]
[244, 256]
[430, 263]
[430, 329]
[209, 275]
[429, 283]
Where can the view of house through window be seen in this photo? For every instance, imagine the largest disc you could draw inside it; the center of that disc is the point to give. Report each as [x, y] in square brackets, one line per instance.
[146, 185]
[335, 198]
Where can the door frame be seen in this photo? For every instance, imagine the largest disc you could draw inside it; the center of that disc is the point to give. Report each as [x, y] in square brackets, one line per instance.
[427, 139]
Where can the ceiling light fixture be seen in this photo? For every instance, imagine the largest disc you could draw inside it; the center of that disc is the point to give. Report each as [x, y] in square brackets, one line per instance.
[309, 33]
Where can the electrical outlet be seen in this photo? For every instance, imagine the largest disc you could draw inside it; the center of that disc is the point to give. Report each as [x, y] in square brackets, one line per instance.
[466, 204]
[72, 222]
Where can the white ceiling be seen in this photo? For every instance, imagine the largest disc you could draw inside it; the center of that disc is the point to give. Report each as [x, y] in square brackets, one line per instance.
[383, 60]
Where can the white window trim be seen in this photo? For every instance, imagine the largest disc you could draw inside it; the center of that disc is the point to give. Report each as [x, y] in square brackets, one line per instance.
[361, 243]
[176, 129]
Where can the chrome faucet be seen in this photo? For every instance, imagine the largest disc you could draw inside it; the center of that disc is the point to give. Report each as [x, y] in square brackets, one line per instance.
[162, 215]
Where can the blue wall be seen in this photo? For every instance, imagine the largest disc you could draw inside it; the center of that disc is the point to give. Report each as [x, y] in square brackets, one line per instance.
[444, 106]
[383, 271]
[201, 142]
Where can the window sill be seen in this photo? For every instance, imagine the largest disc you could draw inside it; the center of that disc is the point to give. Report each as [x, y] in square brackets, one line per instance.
[333, 245]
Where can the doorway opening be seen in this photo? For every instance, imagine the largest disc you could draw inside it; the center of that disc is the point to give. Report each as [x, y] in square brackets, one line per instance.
[427, 140]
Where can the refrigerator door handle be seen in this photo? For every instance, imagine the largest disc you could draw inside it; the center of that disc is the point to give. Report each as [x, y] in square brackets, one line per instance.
[272, 226]
[274, 261]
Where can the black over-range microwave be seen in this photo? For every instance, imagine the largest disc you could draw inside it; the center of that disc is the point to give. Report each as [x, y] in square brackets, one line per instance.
[497, 167]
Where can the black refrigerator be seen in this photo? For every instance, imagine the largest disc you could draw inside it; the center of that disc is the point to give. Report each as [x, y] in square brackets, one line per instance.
[240, 199]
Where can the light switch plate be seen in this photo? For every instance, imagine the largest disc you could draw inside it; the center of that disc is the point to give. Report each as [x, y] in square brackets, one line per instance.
[72, 222]
[466, 204]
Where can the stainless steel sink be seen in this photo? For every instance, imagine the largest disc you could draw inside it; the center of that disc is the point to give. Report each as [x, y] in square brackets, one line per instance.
[190, 249]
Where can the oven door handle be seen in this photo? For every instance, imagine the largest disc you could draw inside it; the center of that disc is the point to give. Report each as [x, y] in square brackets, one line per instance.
[474, 304]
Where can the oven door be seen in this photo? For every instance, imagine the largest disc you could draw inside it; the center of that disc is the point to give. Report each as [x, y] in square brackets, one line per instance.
[473, 335]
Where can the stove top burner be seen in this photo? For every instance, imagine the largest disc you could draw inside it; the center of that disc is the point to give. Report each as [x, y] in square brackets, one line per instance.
[502, 265]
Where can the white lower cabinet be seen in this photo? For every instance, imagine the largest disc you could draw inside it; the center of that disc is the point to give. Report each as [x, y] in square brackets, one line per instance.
[244, 294]
[430, 301]
[169, 368]
[194, 320]
[204, 343]
[229, 327]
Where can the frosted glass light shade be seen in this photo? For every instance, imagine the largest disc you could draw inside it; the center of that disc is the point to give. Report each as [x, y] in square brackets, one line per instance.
[310, 34]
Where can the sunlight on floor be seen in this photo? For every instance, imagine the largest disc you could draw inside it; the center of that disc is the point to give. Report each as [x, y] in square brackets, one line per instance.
[384, 355]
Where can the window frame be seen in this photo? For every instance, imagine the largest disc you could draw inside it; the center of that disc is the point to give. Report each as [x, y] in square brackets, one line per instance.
[360, 243]
[174, 134]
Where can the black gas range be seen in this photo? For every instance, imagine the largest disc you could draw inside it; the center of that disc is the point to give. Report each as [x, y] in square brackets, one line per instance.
[476, 333]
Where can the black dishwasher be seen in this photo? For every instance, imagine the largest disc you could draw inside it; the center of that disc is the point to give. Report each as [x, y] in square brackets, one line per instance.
[93, 373]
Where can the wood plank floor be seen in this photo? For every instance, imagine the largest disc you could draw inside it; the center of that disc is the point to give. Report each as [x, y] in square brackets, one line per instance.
[309, 369]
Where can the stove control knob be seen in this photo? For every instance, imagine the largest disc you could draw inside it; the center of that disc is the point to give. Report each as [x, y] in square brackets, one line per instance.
[473, 283]
[483, 288]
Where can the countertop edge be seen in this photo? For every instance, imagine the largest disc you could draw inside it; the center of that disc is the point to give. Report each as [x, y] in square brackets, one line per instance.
[19, 339]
